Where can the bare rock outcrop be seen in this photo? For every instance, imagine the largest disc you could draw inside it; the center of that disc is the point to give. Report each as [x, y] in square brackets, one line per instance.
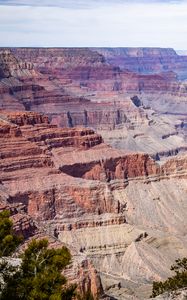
[114, 208]
[180, 294]
[10, 66]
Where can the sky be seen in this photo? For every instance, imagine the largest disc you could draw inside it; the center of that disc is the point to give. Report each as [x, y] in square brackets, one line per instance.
[93, 23]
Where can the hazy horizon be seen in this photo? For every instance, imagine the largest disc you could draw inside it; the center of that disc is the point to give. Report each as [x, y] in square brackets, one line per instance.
[178, 51]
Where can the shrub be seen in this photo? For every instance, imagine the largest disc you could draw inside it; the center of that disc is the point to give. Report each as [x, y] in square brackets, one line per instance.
[179, 280]
[8, 240]
[39, 276]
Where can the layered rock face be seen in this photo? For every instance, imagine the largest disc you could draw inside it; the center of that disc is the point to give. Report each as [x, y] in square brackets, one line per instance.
[10, 66]
[146, 60]
[81, 87]
[143, 248]
[44, 92]
[83, 72]
[23, 224]
[26, 163]
[90, 68]
[120, 213]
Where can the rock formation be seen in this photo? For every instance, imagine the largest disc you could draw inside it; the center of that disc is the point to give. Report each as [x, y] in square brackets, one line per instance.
[179, 295]
[146, 60]
[117, 211]
[80, 87]
[26, 140]
[121, 213]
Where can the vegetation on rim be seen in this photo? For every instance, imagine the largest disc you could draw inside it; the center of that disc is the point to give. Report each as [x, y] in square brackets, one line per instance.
[179, 280]
[39, 276]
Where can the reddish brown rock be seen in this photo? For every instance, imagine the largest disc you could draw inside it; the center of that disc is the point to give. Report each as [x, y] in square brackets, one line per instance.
[105, 164]
[145, 60]
[32, 162]
[83, 273]
[97, 198]
[21, 118]
[68, 85]
[23, 224]
[174, 166]
[10, 66]
[68, 180]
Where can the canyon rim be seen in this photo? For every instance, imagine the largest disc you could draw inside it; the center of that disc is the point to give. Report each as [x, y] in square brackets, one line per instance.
[93, 137]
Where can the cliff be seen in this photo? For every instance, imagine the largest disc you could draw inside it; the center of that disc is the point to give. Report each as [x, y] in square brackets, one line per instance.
[114, 208]
[69, 181]
[25, 161]
[145, 60]
[79, 87]
[59, 155]
[10, 66]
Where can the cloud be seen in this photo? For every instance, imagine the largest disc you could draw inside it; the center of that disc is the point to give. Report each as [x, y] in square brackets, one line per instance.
[80, 3]
[108, 24]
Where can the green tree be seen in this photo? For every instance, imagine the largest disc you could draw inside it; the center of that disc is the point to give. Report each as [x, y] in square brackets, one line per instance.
[179, 280]
[8, 240]
[39, 276]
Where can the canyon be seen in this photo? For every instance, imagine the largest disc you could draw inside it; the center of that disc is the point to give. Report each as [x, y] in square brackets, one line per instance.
[80, 87]
[93, 156]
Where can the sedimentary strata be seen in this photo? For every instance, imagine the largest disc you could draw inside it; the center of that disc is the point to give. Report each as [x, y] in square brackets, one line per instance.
[117, 211]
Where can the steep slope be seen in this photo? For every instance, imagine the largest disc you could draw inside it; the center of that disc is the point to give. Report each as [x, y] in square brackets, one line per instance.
[114, 209]
[26, 165]
[12, 67]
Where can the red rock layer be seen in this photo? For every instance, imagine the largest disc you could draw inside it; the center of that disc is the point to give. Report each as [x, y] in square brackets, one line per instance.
[120, 166]
[128, 166]
[45, 167]
[145, 60]
[26, 150]
[21, 118]
[23, 224]
[67, 179]
[67, 85]
[30, 186]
